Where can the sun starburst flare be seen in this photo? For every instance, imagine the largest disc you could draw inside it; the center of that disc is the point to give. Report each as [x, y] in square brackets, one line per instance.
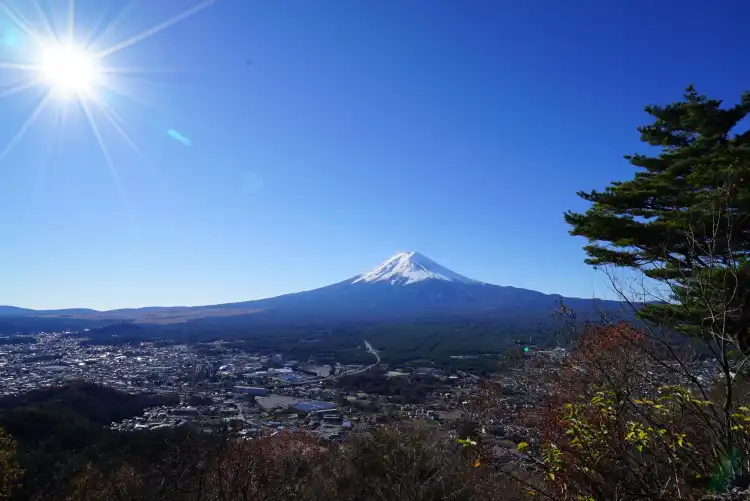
[69, 71]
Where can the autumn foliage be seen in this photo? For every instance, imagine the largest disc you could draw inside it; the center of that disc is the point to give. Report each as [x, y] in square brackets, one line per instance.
[621, 426]
[9, 469]
[384, 463]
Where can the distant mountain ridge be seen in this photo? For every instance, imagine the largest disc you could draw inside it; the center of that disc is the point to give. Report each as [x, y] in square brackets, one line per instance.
[409, 285]
[16, 311]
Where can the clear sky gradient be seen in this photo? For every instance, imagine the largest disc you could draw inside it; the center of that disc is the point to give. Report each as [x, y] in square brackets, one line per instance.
[284, 145]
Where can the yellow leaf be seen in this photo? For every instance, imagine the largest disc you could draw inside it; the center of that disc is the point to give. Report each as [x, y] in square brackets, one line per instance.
[477, 462]
[522, 445]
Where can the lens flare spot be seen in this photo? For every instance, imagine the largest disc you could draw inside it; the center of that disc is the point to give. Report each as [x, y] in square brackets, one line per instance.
[251, 181]
[177, 136]
[10, 39]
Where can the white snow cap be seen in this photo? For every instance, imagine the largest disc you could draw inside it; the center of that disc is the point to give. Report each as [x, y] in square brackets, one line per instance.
[408, 268]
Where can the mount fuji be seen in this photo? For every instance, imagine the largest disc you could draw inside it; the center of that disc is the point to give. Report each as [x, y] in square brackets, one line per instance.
[408, 286]
[409, 268]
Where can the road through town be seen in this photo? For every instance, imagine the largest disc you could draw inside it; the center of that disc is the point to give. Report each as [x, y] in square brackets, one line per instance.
[369, 349]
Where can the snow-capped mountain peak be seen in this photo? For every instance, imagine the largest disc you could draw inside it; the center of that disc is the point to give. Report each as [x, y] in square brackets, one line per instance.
[410, 267]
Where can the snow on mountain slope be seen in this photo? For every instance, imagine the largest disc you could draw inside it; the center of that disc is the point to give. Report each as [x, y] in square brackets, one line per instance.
[408, 268]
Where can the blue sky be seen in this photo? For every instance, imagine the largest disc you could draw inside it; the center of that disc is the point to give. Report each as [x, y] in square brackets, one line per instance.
[326, 135]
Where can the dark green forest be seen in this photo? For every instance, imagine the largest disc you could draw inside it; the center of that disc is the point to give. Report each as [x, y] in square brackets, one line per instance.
[403, 390]
[59, 430]
[397, 343]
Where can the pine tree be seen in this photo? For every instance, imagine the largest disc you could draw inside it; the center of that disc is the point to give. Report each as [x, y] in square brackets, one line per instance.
[684, 218]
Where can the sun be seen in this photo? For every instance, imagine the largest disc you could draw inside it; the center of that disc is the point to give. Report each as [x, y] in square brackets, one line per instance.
[70, 70]
[47, 50]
